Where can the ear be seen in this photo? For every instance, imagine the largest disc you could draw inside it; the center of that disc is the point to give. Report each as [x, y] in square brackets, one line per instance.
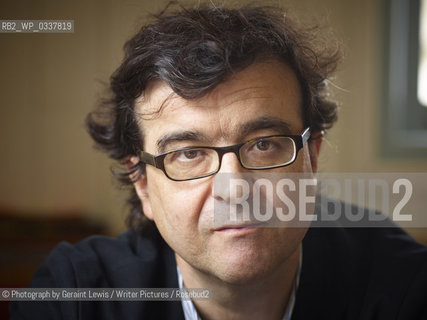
[141, 187]
[315, 144]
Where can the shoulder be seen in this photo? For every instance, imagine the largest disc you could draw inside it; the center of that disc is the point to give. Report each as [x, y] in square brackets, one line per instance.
[100, 261]
[372, 272]
[128, 261]
[370, 239]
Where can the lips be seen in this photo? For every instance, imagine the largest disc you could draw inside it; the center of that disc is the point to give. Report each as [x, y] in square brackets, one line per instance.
[238, 227]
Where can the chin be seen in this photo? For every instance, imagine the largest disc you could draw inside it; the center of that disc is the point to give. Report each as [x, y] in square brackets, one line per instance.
[240, 261]
[244, 269]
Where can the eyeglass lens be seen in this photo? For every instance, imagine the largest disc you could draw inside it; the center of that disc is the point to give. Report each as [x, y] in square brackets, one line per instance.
[261, 153]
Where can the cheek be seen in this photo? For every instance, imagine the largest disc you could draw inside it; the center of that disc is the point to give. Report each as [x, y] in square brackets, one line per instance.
[179, 215]
[302, 162]
[177, 206]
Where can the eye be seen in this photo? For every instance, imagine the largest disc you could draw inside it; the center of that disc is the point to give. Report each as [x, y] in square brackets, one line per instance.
[188, 155]
[191, 154]
[263, 145]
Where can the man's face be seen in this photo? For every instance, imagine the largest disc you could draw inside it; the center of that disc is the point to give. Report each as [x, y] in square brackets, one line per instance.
[266, 98]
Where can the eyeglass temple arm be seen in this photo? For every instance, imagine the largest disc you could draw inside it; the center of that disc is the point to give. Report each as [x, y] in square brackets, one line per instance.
[305, 136]
[147, 158]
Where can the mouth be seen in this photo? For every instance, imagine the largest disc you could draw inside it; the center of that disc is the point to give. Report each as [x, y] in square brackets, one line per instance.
[238, 228]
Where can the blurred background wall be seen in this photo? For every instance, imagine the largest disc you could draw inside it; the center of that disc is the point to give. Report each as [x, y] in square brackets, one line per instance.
[49, 82]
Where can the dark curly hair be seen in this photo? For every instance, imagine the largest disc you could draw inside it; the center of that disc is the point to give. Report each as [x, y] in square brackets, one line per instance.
[194, 50]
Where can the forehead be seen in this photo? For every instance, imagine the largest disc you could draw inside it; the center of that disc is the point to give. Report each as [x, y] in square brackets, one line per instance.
[263, 90]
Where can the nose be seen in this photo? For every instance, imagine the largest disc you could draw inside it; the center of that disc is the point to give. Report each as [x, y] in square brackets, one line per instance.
[230, 164]
[230, 171]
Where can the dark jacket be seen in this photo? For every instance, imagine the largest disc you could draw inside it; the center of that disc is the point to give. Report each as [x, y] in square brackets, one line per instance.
[347, 273]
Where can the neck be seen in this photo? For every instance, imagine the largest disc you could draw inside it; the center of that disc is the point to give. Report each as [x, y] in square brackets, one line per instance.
[261, 298]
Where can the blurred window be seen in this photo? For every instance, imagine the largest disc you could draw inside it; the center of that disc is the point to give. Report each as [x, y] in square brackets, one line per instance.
[404, 116]
[422, 64]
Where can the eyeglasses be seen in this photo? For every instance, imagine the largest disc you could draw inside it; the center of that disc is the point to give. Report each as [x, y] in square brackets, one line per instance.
[256, 154]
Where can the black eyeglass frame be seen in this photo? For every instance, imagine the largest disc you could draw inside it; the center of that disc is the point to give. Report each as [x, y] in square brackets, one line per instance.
[157, 161]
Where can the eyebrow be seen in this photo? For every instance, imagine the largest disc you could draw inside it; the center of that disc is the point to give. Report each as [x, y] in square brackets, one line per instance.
[273, 123]
[180, 136]
[261, 123]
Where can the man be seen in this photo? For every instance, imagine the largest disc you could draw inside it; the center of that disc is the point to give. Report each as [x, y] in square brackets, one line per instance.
[210, 91]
